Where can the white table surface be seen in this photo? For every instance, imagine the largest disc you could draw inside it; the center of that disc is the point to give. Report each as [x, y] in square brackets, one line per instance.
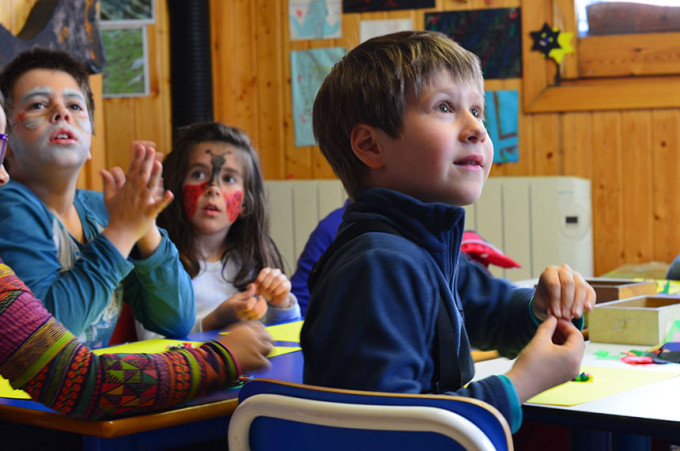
[657, 401]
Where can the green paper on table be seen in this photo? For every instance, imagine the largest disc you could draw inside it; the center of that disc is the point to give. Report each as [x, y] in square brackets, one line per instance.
[605, 382]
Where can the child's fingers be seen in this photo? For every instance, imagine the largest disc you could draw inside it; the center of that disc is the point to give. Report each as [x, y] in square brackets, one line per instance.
[162, 203]
[567, 290]
[118, 176]
[108, 184]
[584, 296]
[136, 160]
[573, 336]
[547, 328]
[260, 308]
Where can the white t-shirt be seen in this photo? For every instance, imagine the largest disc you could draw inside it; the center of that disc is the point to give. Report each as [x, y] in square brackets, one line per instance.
[211, 288]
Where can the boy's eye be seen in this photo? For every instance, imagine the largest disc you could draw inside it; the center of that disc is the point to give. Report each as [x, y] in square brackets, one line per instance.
[444, 108]
[476, 112]
[76, 107]
[36, 106]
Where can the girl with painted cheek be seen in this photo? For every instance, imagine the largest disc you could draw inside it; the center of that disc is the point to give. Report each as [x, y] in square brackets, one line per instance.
[221, 228]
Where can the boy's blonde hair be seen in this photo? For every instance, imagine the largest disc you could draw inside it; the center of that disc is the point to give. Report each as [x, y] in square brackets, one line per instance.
[370, 86]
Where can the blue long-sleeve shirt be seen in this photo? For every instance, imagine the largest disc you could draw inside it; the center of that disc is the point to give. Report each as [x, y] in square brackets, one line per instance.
[371, 319]
[83, 285]
[319, 240]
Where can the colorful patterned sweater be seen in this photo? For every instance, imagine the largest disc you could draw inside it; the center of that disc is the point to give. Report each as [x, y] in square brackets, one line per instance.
[38, 355]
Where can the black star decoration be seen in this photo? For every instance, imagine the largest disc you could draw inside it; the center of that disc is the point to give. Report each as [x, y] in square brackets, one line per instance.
[545, 39]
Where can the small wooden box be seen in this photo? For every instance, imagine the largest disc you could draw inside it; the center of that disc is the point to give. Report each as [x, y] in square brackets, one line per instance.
[641, 320]
[614, 289]
[608, 290]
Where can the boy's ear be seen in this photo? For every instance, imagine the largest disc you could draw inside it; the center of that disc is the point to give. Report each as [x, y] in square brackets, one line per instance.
[365, 145]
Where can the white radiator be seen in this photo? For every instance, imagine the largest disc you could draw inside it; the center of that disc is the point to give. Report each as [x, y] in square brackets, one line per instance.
[295, 208]
[537, 221]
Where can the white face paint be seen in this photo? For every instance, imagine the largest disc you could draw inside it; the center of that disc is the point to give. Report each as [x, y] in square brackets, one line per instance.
[51, 127]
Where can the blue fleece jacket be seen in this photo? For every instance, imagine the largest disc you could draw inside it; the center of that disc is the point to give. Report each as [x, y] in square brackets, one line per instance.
[371, 319]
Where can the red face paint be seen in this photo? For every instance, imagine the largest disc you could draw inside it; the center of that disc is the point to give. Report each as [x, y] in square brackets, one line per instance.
[190, 196]
[233, 202]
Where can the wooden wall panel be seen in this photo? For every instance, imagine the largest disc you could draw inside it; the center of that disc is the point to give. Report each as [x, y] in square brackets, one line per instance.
[631, 156]
[636, 187]
[665, 196]
[606, 187]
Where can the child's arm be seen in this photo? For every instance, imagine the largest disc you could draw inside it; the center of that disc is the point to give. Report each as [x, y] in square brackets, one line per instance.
[551, 358]
[563, 293]
[26, 328]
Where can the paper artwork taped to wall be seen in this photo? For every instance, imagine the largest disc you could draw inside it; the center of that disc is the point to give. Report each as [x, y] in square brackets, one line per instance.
[126, 73]
[139, 12]
[502, 125]
[494, 35]
[314, 19]
[360, 6]
[371, 28]
[308, 68]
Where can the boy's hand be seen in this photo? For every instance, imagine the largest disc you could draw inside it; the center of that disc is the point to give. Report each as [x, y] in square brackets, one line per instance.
[551, 358]
[562, 292]
[151, 239]
[274, 286]
[132, 200]
[245, 306]
[249, 344]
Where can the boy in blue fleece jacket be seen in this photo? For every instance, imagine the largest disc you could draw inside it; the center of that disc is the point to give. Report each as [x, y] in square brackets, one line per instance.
[400, 121]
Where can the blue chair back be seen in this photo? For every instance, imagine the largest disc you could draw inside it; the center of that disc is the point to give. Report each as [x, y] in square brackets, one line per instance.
[269, 433]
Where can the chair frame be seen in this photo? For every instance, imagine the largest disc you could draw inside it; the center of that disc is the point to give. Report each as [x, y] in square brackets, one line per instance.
[467, 421]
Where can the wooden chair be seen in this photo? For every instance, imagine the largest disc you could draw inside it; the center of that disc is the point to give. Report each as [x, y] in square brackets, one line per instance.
[274, 415]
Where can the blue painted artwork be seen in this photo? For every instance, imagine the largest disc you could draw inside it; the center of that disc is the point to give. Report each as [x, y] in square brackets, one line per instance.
[314, 19]
[494, 35]
[502, 124]
[308, 69]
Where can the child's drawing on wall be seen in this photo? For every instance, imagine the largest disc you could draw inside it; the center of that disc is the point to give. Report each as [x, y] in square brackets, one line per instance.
[314, 19]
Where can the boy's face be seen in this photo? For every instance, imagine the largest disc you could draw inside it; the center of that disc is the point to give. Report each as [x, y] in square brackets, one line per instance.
[444, 153]
[51, 125]
[212, 191]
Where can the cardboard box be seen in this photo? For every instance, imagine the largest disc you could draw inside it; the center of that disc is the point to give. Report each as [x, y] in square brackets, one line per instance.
[641, 320]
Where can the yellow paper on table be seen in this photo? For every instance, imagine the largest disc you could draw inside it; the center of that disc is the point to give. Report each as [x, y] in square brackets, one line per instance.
[6, 391]
[280, 350]
[605, 382]
[145, 346]
[287, 331]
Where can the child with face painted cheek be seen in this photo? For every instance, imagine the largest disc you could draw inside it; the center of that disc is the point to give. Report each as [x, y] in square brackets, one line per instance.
[83, 253]
[221, 227]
